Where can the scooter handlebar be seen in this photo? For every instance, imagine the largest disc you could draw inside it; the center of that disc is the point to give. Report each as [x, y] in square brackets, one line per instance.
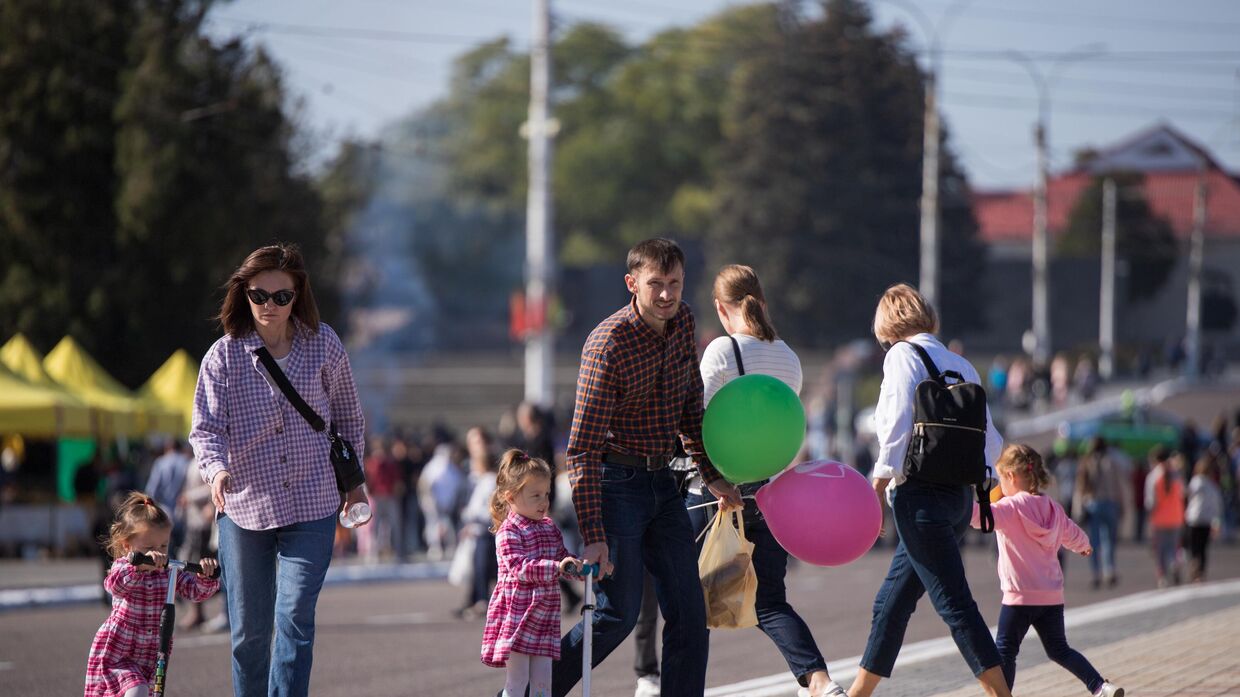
[588, 569]
[138, 558]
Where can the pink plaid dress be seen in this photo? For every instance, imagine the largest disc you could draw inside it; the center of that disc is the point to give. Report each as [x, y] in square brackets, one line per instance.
[524, 613]
[123, 654]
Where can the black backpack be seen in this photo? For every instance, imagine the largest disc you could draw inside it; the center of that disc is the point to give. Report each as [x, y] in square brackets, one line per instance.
[948, 445]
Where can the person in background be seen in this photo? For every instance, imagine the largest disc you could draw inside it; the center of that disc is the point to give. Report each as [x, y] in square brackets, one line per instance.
[476, 519]
[439, 490]
[1164, 499]
[1100, 495]
[1203, 515]
[409, 461]
[165, 483]
[1140, 471]
[383, 484]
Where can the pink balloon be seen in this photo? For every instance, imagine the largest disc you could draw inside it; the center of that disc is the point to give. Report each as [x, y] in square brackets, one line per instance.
[822, 512]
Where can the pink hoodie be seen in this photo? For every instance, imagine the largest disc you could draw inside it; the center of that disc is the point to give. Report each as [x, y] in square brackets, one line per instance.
[1031, 528]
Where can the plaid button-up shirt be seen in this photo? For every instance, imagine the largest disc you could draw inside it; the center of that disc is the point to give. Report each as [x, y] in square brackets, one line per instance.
[636, 391]
[279, 467]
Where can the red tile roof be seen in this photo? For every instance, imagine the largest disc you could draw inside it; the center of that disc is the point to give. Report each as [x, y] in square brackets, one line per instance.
[1007, 216]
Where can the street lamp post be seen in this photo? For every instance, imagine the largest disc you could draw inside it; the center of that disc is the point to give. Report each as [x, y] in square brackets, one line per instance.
[929, 227]
[1041, 237]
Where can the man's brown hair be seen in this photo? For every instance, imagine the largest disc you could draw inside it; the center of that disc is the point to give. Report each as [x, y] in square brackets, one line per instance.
[658, 253]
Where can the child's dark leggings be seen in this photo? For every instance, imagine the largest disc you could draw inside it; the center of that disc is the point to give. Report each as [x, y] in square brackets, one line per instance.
[1014, 623]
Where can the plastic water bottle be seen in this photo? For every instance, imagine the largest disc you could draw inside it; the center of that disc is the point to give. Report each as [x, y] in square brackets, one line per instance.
[355, 514]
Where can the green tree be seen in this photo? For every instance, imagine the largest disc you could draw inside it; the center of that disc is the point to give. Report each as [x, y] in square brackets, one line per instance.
[820, 178]
[1142, 239]
[190, 168]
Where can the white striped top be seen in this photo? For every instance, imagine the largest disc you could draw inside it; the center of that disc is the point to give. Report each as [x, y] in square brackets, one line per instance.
[760, 357]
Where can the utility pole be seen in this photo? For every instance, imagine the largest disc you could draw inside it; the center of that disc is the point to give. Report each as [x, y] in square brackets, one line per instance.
[930, 198]
[1041, 236]
[539, 255]
[1041, 253]
[1106, 318]
[1195, 259]
[929, 283]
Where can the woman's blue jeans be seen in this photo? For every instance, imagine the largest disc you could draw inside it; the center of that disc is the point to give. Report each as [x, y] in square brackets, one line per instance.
[931, 519]
[776, 618]
[272, 578]
[1103, 529]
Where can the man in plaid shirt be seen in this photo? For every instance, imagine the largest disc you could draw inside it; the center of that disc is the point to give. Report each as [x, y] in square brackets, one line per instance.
[640, 387]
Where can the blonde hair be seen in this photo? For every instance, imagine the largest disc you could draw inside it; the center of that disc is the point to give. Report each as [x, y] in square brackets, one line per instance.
[739, 285]
[515, 469]
[136, 514]
[903, 312]
[1025, 461]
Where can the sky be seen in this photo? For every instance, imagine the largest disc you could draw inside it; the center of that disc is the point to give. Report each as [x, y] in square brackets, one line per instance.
[1112, 67]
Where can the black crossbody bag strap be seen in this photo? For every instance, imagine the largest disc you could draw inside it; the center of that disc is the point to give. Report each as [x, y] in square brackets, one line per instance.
[926, 361]
[736, 350]
[273, 369]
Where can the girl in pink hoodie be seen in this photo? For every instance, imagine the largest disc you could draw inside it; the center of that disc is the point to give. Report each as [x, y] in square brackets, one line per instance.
[1031, 529]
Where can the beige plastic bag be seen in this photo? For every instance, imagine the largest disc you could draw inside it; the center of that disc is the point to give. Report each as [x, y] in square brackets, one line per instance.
[728, 579]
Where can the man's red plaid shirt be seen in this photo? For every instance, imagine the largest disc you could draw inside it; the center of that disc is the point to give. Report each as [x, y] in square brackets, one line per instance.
[636, 392]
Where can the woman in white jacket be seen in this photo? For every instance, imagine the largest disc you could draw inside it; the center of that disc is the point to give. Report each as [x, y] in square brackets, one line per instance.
[930, 517]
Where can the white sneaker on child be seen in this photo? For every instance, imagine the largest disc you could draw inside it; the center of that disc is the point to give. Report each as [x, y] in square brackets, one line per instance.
[1109, 690]
[647, 686]
[833, 690]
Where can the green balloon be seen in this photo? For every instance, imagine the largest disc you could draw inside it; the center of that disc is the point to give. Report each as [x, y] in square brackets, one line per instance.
[753, 428]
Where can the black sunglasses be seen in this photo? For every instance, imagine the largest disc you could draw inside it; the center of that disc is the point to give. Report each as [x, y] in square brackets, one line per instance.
[258, 296]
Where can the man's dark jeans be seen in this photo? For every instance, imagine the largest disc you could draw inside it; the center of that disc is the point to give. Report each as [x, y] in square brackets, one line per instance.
[647, 528]
[931, 519]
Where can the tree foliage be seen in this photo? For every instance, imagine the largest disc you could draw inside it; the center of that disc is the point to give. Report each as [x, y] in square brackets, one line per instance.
[759, 135]
[1142, 239]
[820, 179]
[139, 162]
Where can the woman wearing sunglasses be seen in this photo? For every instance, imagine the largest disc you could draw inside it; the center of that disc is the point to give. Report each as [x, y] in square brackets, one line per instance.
[271, 478]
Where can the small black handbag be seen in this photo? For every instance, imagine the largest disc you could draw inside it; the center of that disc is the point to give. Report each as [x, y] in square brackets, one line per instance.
[348, 469]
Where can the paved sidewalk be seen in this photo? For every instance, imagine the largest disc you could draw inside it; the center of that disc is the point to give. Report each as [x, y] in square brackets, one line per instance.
[1183, 641]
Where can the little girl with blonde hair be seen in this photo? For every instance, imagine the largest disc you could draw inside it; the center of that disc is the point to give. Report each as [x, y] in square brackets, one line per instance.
[1031, 528]
[123, 655]
[522, 631]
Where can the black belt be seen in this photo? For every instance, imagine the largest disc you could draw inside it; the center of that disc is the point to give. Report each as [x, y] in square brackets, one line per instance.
[650, 463]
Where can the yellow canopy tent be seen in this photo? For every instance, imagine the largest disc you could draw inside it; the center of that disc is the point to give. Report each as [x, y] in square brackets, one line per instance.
[128, 415]
[38, 411]
[173, 386]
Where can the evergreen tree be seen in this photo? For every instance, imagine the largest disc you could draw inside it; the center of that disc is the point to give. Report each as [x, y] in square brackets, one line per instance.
[1142, 239]
[820, 180]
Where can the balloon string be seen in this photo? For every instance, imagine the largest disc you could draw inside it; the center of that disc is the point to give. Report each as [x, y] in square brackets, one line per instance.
[714, 503]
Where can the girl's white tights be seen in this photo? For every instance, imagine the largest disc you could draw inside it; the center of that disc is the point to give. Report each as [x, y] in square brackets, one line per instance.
[524, 669]
[139, 691]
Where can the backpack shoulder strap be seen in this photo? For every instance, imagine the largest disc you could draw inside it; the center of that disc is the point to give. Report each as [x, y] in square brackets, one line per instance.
[273, 369]
[736, 351]
[926, 361]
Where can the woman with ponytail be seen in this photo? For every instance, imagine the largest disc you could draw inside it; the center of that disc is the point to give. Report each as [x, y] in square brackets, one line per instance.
[752, 346]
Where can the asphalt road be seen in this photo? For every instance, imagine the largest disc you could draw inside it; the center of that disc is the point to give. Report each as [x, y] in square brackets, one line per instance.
[388, 639]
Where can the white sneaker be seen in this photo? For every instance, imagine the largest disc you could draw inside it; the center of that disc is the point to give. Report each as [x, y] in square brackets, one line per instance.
[833, 690]
[647, 686]
[1109, 690]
